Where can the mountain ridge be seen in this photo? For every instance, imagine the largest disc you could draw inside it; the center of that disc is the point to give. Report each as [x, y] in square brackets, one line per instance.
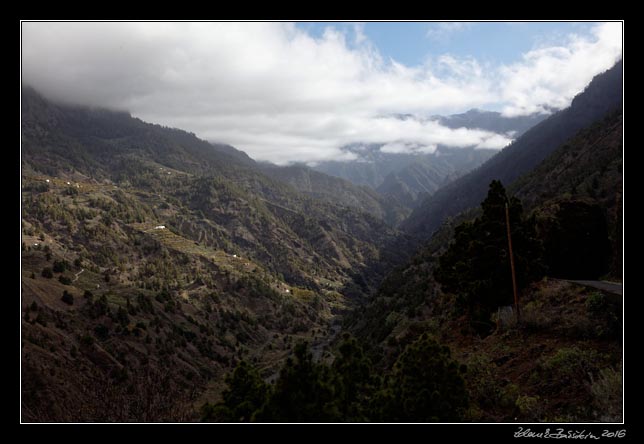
[602, 95]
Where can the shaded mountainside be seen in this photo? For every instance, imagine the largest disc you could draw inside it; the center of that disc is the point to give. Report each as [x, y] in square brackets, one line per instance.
[422, 178]
[264, 218]
[373, 166]
[334, 189]
[587, 170]
[152, 258]
[409, 178]
[563, 362]
[370, 168]
[602, 95]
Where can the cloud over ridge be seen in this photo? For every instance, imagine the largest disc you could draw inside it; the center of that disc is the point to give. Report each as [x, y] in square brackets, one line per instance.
[282, 95]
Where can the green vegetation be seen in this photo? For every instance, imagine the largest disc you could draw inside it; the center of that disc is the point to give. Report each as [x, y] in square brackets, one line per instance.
[425, 385]
[60, 266]
[476, 266]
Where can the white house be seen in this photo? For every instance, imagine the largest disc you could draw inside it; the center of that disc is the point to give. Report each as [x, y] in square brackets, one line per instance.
[160, 227]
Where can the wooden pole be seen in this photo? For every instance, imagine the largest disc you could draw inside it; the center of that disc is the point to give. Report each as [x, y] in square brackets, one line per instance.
[514, 279]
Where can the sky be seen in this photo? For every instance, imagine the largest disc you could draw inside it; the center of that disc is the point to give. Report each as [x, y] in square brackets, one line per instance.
[300, 92]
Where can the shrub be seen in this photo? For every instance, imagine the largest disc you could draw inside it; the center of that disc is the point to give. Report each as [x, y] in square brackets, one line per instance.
[530, 407]
[606, 390]
[60, 266]
[569, 369]
[67, 298]
[64, 280]
[604, 314]
[482, 382]
[47, 273]
[595, 303]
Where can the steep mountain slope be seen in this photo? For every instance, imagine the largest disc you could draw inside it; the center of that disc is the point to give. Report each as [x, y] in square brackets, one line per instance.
[370, 167]
[424, 176]
[587, 169]
[565, 328]
[219, 182]
[151, 258]
[409, 177]
[334, 189]
[373, 166]
[602, 95]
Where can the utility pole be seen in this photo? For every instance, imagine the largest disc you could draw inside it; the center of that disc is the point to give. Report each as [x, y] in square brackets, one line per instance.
[514, 279]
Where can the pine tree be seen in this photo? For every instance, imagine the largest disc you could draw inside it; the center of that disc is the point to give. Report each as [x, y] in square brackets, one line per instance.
[353, 382]
[476, 266]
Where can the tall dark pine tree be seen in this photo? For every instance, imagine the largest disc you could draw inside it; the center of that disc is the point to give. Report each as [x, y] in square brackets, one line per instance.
[476, 266]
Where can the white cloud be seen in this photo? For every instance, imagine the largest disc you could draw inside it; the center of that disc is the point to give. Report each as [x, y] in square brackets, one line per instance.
[551, 76]
[281, 95]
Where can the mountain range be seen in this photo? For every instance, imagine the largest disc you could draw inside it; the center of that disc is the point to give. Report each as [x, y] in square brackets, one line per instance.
[151, 258]
[602, 95]
[174, 257]
[572, 199]
[408, 178]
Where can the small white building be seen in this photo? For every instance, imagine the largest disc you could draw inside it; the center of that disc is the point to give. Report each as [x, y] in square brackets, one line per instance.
[68, 183]
[47, 180]
[160, 227]
[287, 290]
